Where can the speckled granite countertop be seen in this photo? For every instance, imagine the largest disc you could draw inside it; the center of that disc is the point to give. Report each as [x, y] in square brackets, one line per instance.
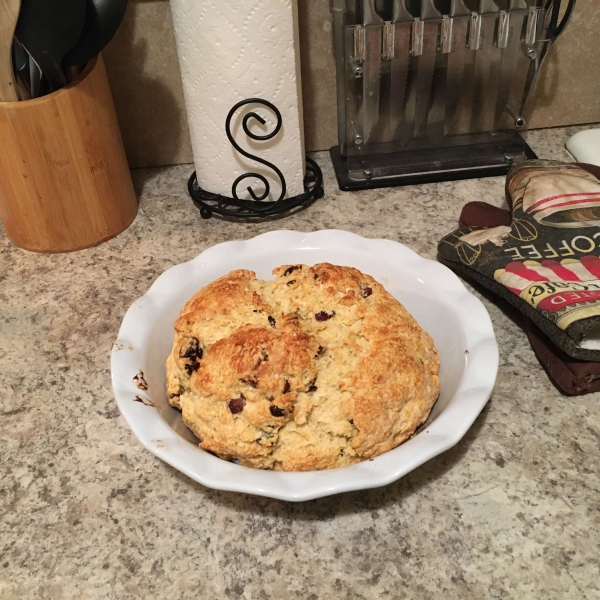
[87, 513]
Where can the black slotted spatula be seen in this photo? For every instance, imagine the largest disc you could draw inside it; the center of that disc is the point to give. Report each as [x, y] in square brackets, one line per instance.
[48, 29]
[102, 19]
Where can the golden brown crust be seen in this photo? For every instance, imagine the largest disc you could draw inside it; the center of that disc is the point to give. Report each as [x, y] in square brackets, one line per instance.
[320, 368]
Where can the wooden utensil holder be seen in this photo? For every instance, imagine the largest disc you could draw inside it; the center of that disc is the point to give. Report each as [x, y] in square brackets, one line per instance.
[64, 180]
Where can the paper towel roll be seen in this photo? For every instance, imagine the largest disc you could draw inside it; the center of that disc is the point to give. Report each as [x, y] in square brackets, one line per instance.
[231, 50]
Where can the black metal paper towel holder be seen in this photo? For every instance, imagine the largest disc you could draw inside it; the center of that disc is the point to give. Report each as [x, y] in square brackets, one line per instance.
[238, 208]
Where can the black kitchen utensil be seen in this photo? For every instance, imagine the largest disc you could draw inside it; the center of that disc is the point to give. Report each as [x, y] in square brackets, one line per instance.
[556, 26]
[48, 29]
[28, 74]
[20, 64]
[102, 21]
[20, 59]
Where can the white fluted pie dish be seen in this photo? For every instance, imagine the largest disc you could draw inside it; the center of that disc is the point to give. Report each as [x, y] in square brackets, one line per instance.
[457, 321]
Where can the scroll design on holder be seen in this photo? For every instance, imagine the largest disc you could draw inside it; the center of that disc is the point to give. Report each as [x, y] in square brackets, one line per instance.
[262, 161]
[258, 206]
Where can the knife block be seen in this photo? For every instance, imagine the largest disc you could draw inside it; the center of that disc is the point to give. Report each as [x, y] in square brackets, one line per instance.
[427, 92]
[64, 180]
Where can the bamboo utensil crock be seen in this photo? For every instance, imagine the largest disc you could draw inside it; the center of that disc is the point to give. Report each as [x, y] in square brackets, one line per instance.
[64, 180]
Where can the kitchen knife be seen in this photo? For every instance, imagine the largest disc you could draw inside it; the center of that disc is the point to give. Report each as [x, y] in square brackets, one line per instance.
[436, 115]
[424, 45]
[488, 63]
[553, 28]
[461, 123]
[402, 27]
[459, 58]
[373, 25]
[511, 35]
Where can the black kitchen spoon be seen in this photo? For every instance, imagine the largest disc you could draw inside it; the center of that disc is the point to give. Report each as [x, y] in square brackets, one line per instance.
[102, 21]
[48, 29]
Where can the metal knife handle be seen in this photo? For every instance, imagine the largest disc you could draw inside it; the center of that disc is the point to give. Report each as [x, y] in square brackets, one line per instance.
[389, 40]
[359, 44]
[416, 42]
[503, 29]
[532, 27]
[446, 34]
[474, 32]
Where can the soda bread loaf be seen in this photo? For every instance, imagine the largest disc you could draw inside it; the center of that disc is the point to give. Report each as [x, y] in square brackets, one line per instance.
[320, 368]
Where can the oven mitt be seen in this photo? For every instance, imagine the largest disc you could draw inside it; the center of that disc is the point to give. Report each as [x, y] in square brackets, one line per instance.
[546, 262]
[571, 376]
